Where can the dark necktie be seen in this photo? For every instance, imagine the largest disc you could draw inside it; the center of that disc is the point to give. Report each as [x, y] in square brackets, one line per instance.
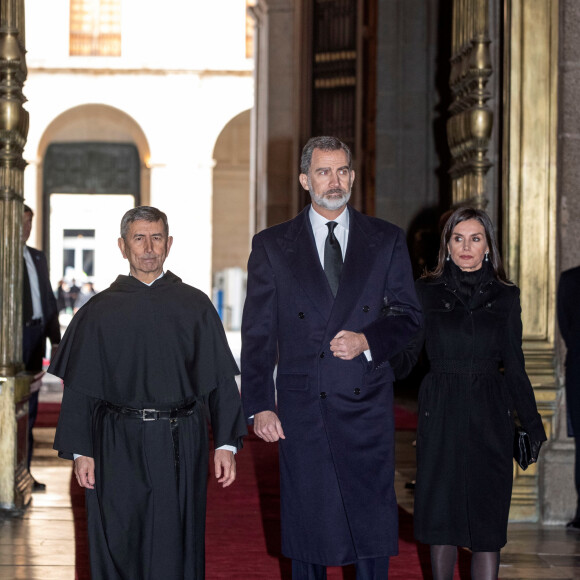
[332, 258]
[27, 309]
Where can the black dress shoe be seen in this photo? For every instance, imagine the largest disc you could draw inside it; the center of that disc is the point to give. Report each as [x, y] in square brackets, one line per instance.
[574, 524]
[37, 486]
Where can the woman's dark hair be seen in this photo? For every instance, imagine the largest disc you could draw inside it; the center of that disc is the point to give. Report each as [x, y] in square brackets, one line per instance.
[461, 215]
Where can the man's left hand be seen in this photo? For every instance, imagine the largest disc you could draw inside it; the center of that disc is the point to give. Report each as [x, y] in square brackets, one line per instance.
[347, 345]
[225, 467]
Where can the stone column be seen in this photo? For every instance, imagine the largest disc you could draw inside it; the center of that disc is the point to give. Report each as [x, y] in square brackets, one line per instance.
[529, 208]
[557, 478]
[274, 168]
[14, 479]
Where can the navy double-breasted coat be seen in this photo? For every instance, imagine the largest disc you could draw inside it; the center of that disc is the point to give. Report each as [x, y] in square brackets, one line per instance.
[337, 460]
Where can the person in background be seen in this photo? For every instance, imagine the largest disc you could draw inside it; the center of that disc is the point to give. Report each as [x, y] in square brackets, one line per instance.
[40, 321]
[330, 299]
[569, 323]
[472, 336]
[61, 296]
[144, 364]
[73, 292]
[86, 293]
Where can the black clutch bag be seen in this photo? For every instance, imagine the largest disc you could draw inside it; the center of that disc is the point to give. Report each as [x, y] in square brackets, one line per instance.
[522, 448]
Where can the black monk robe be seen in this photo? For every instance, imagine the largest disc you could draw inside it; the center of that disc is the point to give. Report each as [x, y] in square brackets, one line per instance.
[161, 347]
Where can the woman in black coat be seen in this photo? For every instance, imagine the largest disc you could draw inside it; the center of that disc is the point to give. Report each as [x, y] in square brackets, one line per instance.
[476, 381]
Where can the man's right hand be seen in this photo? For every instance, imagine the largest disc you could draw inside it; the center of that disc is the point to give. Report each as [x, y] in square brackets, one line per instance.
[85, 471]
[267, 426]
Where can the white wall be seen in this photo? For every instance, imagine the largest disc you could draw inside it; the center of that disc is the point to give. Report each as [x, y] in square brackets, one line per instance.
[181, 77]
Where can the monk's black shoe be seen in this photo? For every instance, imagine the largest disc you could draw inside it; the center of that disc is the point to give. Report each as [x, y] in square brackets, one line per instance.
[574, 524]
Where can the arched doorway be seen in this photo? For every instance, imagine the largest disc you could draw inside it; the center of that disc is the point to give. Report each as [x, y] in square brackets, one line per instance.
[93, 169]
[231, 218]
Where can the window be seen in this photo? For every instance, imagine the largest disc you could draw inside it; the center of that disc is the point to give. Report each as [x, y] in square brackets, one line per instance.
[78, 254]
[95, 28]
[250, 24]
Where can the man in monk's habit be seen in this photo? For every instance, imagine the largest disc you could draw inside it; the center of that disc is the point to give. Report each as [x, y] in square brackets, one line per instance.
[144, 364]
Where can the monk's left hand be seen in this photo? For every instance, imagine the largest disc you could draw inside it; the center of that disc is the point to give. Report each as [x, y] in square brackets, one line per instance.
[225, 467]
[347, 345]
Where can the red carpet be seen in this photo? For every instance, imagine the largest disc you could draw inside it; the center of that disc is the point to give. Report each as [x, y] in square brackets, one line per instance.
[243, 526]
[77, 496]
[47, 414]
[405, 420]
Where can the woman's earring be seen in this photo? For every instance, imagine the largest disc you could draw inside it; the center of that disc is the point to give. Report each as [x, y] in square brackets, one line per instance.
[487, 256]
[448, 258]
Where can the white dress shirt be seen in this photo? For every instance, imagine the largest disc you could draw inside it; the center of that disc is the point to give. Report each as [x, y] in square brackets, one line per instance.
[320, 230]
[34, 285]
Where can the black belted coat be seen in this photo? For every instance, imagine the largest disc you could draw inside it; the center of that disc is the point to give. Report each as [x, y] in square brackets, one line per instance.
[473, 340]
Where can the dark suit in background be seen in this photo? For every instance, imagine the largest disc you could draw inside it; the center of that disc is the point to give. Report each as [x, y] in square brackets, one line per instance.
[36, 329]
[569, 322]
[35, 333]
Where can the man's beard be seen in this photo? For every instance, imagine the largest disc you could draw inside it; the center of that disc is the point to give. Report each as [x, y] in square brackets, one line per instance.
[331, 203]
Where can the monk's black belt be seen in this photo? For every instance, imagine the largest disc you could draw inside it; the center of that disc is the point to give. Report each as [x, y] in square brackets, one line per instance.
[461, 366]
[154, 415]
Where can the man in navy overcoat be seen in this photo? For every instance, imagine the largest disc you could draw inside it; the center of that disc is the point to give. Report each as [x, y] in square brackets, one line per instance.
[329, 304]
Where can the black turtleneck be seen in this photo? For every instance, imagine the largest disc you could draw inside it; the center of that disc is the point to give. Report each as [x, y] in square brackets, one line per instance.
[467, 282]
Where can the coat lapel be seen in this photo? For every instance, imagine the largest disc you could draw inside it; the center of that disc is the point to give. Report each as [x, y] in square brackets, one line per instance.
[361, 253]
[299, 248]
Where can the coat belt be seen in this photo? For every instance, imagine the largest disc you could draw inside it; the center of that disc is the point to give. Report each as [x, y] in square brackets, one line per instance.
[461, 366]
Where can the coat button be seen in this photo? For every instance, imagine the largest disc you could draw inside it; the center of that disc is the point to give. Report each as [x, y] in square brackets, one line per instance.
[322, 354]
[323, 395]
[357, 391]
[301, 315]
[366, 308]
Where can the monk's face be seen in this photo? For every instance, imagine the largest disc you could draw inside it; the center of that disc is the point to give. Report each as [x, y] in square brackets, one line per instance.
[146, 246]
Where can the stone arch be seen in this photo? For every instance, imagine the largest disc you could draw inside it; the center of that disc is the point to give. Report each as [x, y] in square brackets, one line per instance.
[95, 122]
[231, 217]
[97, 157]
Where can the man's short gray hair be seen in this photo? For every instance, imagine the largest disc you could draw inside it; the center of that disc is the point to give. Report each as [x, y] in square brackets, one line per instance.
[144, 213]
[324, 144]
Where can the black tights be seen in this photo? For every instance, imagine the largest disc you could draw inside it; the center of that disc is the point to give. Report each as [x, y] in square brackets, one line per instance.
[484, 565]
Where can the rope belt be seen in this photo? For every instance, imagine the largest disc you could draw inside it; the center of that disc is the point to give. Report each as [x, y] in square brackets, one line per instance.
[159, 414]
[460, 366]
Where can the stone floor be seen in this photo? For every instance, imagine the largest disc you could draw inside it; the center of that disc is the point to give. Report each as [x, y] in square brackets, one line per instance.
[39, 544]
[533, 552]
